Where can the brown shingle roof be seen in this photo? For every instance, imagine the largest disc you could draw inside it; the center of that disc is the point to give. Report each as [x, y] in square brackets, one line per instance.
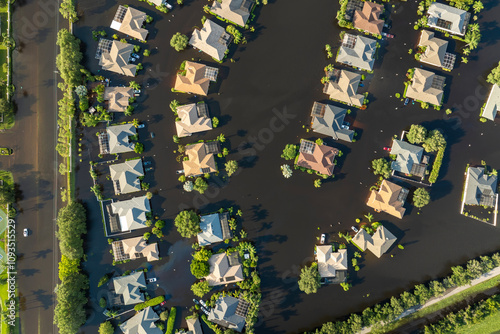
[389, 199]
[198, 160]
[321, 159]
[117, 98]
[194, 81]
[369, 18]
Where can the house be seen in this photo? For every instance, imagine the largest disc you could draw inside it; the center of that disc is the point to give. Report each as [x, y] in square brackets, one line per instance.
[134, 248]
[408, 158]
[492, 105]
[224, 269]
[211, 39]
[332, 266]
[368, 19]
[435, 51]
[426, 87]
[193, 118]
[128, 215]
[236, 11]
[480, 187]
[214, 228]
[129, 21]
[195, 78]
[343, 86]
[129, 288]
[329, 121]
[143, 323]
[320, 158]
[118, 98]
[357, 51]
[390, 198]
[201, 158]
[158, 2]
[116, 139]
[448, 18]
[116, 58]
[229, 312]
[378, 244]
[126, 176]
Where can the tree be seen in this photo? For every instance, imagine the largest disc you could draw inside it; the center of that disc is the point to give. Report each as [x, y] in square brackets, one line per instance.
[139, 148]
[69, 59]
[164, 315]
[309, 281]
[417, 134]
[231, 167]
[146, 236]
[434, 141]
[477, 6]
[369, 216]
[67, 267]
[69, 313]
[286, 170]
[106, 328]
[473, 36]
[149, 195]
[494, 76]
[290, 152]
[381, 167]
[215, 122]
[135, 122]
[200, 288]
[71, 222]
[421, 198]
[174, 104]
[221, 138]
[134, 85]
[179, 41]
[68, 11]
[317, 183]
[199, 269]
[160, 224]
[188, 186]
[81, 91]
[200, 185]
[187, 223]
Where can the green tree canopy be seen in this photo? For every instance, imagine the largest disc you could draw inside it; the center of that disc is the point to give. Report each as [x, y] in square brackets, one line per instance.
[69, 58]
[179, 41]
[200, 185]
[199, 269]
[494, 76]
[71, 223]
[434, 141]
[381, 167]
[187, 223]
[231, 167]
[106, 328]
[417, 134]
[421, 198]
[309, 281]
[200, 288]
[69, 313]
[289, 152]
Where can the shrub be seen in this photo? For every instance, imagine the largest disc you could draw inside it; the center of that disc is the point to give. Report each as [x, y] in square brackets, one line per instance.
[152, 302]
[289, 152]
[171, 321]
[103, 280]
[139, 148]
[179, 41]
[102, 302]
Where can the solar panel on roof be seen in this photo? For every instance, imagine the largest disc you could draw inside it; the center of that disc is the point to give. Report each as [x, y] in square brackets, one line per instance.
[418, 170]
[307, 146]
[211, 73]
[226, 232]
[103, 143]
[318, 110]
[438, 82]
[443, 24]
[246, 5]
[449, 60]
[103, 46]
[349, 41]
[242, 308]
[205, 170]
[212, 147]
[487, 200]
[202, 110]
[118, 189]
[120, 14]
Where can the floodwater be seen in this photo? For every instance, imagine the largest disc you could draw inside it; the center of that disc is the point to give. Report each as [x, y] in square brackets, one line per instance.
[263, 100]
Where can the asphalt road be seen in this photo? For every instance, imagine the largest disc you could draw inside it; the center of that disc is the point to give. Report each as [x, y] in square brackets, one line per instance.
[34, 163]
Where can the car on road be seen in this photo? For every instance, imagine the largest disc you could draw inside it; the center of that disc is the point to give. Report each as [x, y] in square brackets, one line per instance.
[152, 134]
[149, 169]
[355, 229]
[179, 171]
[387, 148]
[26, 232]
[323, 237]
[152, 280]
[141, 126]
[406, 101]
[147, 163]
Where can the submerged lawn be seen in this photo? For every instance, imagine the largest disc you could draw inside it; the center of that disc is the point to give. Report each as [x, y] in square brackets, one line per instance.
[490, 325]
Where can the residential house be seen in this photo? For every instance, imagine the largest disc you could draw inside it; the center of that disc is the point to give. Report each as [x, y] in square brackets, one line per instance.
[320, 158]
[481, 188]
[195, 78]
[408, 158]
[134, 248]
[357, 51]
[214, 229]
[435, 51]
[378, 243]
[332, 266]
[116, 139]
[329, 121]
[201, 158]
[368, 19]
[129, 288]
[492, 105]
[128, 215]
[142, 323]
[129, 21]
[118, 98]
[224, 269]
[158, 2]
[193, 118]
[236, 11]
[116, 58]
[229, 312]
[211, 39]
[126, 176]
[390, 198]
[343, 86]
[426, 87]
[194, 326]
[448, 18]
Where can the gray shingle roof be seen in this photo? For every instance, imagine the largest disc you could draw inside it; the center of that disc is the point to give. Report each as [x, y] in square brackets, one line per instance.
[142, 323]
[132, 212]
[118, 138]
[407, 155]
[361, 55]
[211, 39]
[481, 188]
[457, 18]
[329, 122]
[129, 287]
[126, 175]
[492, 104]
[224, 313]
[213, 229]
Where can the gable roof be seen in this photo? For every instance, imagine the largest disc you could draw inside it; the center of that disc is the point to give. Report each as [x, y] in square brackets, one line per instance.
[118, 98]
[344, 86]
[368, 19]
[237, 11]
[211, 39]
[448, 18]
[196, 80]
[426, 87]
[194, 326]
[328, 120]
[125, 176]
[319, 158]
[435, 51]
[330, 262]
[406, 155]
[214, 228]
[191, 120]
[116, 60]
[378, 244]
[226, 313]
[118, 139]
[492, 104]
[357, 51]
[142, 323]
[134, 248]
[129, 287]
[481, 188]
[389, 198]
[132, 213]
[129, 21]
[224, 269]
[200, 161]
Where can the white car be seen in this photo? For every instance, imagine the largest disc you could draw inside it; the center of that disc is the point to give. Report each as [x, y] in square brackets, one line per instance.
[355, 229]
[25, 232]
[152, 280]
[141, 126]
[323, 237]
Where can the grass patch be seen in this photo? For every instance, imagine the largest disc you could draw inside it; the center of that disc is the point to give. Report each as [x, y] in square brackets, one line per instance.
[491, 324]
[7, 179]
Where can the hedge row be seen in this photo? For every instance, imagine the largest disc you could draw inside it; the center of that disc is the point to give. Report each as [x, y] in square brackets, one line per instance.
[171, 321]
[152, 302]
[436, 166]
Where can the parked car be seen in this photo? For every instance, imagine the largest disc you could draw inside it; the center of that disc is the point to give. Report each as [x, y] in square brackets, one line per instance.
[137, 91]
[196, 302]
[137, 94]
[163, 303]
[152, 134]
[152, 280]
[205, 310]
[406, 101]
[149, 169]
[387, 148]
[135, 55]
[169, 6]
[203, 303]
[141, 126]
[132, 59]
[179, 171]
[323, 237]
[387, 35]
[147, 163]
[26, 232]
[355, 229]
[345, 125]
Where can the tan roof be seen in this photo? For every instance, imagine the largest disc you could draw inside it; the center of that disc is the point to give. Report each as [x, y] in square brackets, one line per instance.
[345, 88]
[117, 98]
[389, 198]
[435, 48]
[190, 121]
[129, 21]
[116, 60]
[321, 159]
[134, 248]
[199, 159]
[330, 262]
[224, 269]
[423, 87]
[194, 326]
[194, 81]
[369, 18]
[378, 244]
[211, 39]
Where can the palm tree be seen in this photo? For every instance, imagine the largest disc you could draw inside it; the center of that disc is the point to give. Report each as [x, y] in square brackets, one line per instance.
[221, 138]
[135, 122]
[369, 216]
[134, 85]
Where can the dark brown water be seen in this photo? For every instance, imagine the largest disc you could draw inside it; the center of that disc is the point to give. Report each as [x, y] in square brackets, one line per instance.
[263, 101]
